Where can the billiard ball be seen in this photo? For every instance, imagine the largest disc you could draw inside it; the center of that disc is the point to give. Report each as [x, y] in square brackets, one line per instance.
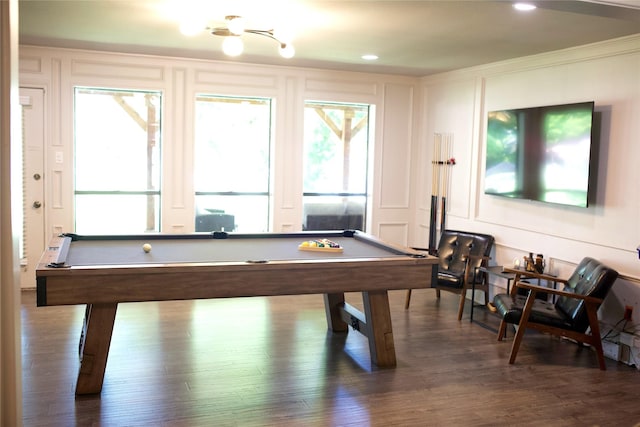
[146, 247]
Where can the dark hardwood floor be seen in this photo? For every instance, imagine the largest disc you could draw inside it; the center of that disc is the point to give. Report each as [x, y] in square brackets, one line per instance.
[271, 361]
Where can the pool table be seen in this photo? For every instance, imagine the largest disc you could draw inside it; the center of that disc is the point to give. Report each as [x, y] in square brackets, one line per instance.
[103, 271]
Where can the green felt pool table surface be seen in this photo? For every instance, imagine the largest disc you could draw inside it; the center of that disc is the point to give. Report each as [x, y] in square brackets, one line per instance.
[199, 248]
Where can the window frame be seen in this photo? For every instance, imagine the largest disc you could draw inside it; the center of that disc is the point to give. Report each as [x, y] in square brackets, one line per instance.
[157, 203]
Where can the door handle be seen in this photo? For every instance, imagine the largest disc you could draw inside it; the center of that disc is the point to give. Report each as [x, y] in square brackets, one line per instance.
[37, 204]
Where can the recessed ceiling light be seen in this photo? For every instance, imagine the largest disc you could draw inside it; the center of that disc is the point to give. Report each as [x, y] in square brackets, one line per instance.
[369, 57]
[525, 7]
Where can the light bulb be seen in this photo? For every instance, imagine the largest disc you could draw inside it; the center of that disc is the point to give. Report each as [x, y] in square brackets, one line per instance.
[235, 25]
[287, 50]
[525, 7]
[232, 46]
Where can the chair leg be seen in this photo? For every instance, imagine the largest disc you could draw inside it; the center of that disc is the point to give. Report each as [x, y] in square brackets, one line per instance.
[597, 345]
[502, 330]
[522, 326]
[516, 344]
[595, 341]
[437, 293]
[463, 297]
[407, 299]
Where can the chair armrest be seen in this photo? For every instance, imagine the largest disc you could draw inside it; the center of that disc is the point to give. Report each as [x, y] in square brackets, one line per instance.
[482, 257]
[470, 257]
[533, 275]
[558, 292]
[518, 273]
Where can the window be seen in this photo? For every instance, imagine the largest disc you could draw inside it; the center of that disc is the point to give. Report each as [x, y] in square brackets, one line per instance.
[231, 172]
[336, 139]
[117, 161]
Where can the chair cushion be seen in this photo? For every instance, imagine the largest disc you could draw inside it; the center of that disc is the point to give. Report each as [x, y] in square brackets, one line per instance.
[450, 279]
[510, 309]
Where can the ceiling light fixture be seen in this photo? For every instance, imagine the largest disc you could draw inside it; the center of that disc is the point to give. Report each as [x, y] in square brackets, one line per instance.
[233, 46]
[524, 7]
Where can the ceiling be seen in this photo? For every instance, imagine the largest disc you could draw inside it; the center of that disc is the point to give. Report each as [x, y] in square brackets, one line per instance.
[416, 38]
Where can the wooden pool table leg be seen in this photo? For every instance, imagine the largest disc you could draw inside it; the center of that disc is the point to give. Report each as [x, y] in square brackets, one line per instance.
[94, 347]
[374, 323]
[333, 304]
[378, 315]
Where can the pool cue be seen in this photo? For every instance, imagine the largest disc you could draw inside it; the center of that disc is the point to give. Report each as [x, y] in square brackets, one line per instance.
[435, 177]
[443, 163]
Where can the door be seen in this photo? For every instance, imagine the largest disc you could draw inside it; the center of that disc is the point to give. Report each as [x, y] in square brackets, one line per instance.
[33, 238]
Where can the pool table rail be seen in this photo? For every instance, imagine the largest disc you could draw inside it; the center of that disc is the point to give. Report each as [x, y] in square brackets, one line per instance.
[133, 283]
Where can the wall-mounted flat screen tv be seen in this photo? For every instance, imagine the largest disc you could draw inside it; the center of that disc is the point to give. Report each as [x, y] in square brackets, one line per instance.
[540, 153]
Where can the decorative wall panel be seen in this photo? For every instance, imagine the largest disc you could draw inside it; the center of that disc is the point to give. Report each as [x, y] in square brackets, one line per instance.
[395, 172]
[115, 70]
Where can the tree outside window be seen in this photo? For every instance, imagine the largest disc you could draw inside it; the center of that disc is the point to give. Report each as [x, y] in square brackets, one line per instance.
[117, 161]
[336, 159]
[232, 163]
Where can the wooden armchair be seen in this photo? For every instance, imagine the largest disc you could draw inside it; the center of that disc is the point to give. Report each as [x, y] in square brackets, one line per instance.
[574, 313]
[460, 253]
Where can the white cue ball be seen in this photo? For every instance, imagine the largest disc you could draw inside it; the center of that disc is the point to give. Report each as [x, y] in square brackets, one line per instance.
[146, 247]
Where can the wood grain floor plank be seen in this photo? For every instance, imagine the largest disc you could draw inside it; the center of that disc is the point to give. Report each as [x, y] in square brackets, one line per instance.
[272, 362]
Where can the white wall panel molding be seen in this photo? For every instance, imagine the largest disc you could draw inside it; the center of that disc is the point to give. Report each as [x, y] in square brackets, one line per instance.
[350, 86]
[420, 236]
[517, 241]
[451, 109]
[61, 155]
[30, 64]
[286, 188]
[117, 70]
[288, 228]
[175, 148]
[423, 152]
[394, 232]
[54, 100]
[290, 144]
[57, 195]
[423, 216]
[177, 152]
[224, 79]
[394, 158]
[478, 139]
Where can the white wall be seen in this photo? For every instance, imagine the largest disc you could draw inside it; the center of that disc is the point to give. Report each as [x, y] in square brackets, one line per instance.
[609, 230]
[59, 70]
